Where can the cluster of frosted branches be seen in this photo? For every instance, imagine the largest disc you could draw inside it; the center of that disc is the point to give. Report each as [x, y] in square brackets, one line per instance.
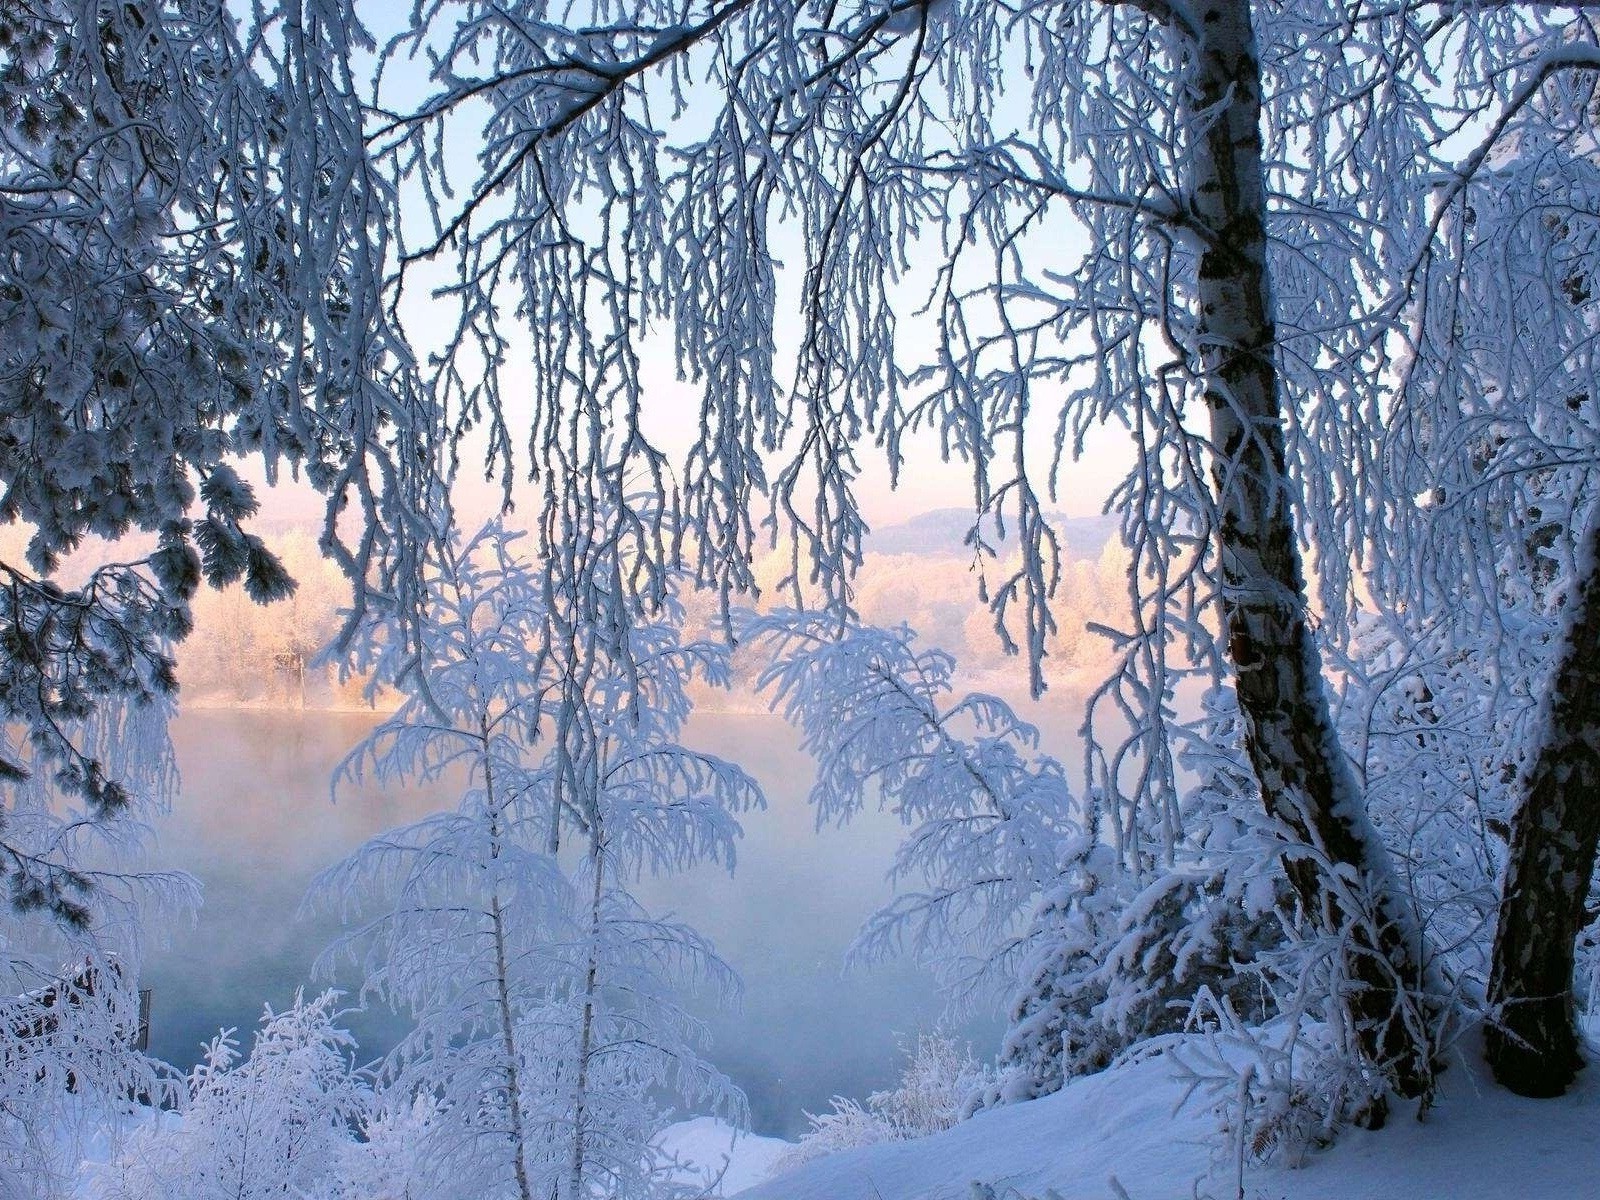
[930, 1096]
[68, 1068]
[637, 169]
[990, 819]
[1484, 482]
[1001, 891]
[70, 948]
[1022, 172]
[1249, 241]
[276, 1122]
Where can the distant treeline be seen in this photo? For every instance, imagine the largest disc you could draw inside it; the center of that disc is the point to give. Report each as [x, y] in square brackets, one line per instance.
[243, 653]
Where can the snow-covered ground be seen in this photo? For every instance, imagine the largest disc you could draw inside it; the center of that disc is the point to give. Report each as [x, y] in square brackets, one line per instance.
[1126, 1135]
[707, 1148]
[709, 1152]
[1123, 1135]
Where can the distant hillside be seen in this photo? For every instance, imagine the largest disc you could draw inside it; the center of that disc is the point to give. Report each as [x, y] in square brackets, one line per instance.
[941, 532]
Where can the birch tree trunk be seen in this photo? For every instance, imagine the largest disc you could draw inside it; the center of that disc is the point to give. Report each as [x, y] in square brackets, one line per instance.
[515, 1131]
[591, 987]
[1533, 1048]
[1306, 781]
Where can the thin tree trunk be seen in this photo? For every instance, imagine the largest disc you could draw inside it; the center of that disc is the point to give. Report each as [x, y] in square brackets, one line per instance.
[1533, 1047]
[1306, 781]
[508, 1041]
[586, 1028]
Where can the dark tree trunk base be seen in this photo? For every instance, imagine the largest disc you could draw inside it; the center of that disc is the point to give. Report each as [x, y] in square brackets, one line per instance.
[1534, 1048]
[1543, 1066]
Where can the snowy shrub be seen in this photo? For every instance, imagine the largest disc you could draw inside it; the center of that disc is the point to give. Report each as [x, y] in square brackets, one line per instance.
[1286, 1071]
[71, 902]
[1589, 973]
[1281, 1090]
[278, 1123]
[68, 1070]
[847, 1126]
[932, 1093]
[1115, 957]
[390, 1159]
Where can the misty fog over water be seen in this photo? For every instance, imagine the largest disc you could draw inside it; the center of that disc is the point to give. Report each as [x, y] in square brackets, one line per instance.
[255, 823]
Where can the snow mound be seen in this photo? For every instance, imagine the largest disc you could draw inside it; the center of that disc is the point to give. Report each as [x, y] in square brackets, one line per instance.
[1125, 1135]
[703, 1145]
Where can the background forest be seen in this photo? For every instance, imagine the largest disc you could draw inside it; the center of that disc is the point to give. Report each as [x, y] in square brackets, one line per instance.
[598, 335]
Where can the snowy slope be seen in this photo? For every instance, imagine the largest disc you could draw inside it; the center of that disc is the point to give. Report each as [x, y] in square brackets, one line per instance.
[704, 1146]
[1479, 1143]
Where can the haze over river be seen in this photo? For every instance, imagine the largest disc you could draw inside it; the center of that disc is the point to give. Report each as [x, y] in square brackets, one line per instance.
[254, 823]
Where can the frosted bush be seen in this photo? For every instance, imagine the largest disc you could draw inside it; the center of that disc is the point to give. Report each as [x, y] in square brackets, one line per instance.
[68, 1067]
[276, 1123]
[931, 1096]
[1280, 1091]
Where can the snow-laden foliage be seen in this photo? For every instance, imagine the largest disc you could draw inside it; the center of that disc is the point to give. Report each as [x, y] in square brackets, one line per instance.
[1251, 233]
[190, 260]
[278, 1122]
[1488, 488]
[1251, 187]
[990, 819]
[548, 1026]
[69, 1071]
[989, 240]
[1111, 967]
[1282, 1090]
[70, 944]
[931, 1095]
[1113, 960]
[76, 861]
[1001, 891]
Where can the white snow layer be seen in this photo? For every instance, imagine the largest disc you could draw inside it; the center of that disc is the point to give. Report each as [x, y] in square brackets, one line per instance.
[1123, 1135]
[704, 1146]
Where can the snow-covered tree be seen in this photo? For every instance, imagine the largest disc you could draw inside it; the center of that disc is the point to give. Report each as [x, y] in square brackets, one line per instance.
[548, 1026]
[1534, 1039]
[1211, 222]
[1252, 181]
[1485, 494]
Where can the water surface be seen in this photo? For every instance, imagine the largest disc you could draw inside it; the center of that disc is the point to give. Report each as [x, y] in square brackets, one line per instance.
[254, 823]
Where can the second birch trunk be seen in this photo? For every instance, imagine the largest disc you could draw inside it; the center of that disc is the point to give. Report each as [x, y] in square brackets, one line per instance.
[1533, 1043]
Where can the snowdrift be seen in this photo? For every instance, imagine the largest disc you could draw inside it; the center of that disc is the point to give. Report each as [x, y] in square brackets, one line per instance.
[711, 1153]
[1126, 1135]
